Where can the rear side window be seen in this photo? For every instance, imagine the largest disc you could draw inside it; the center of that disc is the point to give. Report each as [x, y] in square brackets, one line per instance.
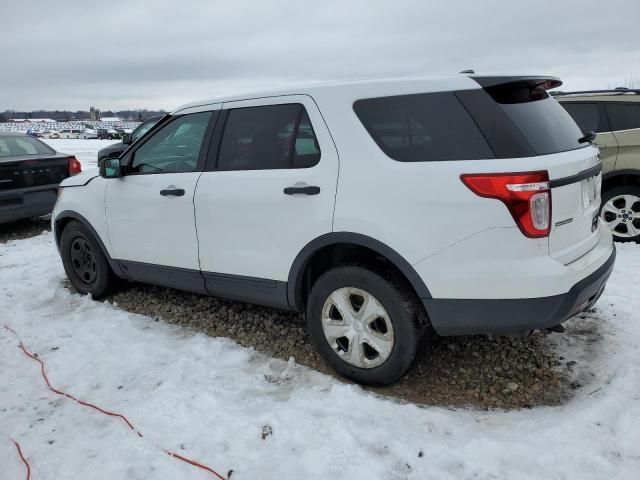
[587, 116]
[268, 137]
[423, 127]
[624, 116]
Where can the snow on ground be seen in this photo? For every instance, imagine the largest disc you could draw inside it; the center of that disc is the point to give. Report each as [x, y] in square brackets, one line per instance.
[85, 150]
[209, 399]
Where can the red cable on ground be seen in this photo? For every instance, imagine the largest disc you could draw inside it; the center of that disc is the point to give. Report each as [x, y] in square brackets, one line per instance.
[24, 460]
[106, 412]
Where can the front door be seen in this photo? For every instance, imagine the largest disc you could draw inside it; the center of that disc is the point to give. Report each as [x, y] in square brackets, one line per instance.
[150, 215]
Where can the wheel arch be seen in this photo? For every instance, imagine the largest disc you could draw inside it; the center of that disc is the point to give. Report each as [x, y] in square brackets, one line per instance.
[621, 177]
[65, 217]
[298, 274]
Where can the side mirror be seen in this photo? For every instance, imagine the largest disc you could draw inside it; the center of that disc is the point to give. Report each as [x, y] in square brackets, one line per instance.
[110, 168]
[126, 138]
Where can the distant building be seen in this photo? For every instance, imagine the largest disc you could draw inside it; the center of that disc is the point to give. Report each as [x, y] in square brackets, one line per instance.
[110, 119]
[94, 114]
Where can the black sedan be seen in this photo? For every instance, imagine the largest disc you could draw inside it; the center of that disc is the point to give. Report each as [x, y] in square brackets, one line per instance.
[30, 172]
[115, 150]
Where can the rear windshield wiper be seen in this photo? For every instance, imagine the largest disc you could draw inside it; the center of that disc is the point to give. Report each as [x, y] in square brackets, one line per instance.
[589, 137]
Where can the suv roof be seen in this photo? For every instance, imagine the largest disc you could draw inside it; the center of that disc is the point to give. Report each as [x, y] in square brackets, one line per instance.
[383, 86]
[615, 95]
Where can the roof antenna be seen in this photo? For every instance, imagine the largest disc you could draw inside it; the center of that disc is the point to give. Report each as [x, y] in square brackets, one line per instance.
[468, 71]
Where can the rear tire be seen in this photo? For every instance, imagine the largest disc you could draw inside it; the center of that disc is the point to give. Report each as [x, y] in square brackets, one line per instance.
[364, 324]
[620, 211]
[84, 262]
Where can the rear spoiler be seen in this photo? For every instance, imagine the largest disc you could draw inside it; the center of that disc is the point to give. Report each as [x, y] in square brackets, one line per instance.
[531, 82]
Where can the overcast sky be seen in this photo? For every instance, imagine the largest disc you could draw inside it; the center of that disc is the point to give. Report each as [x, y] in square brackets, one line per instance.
[70, 54]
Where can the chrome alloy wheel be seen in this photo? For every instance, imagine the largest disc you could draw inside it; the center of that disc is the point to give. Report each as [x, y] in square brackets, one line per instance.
[357, 327]
[622, 215]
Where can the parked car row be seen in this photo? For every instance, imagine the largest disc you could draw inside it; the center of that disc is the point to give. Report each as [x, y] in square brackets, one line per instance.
[73, 129]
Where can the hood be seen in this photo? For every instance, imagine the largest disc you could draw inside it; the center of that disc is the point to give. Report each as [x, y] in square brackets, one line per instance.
[81, 179]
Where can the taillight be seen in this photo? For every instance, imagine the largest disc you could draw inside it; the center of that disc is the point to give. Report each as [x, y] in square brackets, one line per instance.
[74, 166]
[527, 196]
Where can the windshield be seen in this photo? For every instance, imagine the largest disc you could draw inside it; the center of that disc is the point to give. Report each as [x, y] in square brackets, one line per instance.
[20, 146]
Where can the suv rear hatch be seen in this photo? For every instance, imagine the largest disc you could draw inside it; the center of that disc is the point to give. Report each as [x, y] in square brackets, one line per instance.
[520, 119]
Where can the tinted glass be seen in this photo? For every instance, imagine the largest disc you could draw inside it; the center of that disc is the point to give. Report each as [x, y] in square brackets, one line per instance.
[586, 115]
[624, 116]
[173, 148]
[259, 138]
[540, 118]
[306, 151]
[142, 129]
[423, 127]
[19, 146]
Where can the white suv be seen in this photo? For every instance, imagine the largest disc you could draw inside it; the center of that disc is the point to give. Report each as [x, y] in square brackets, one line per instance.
[377, 207]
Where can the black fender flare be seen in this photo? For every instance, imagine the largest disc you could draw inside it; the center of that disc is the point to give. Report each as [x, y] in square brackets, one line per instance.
[621, 173]
[296, 273]
[70, 214]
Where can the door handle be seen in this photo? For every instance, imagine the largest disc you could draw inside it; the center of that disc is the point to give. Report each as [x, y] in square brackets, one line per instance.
[173, 192]
[309, 190]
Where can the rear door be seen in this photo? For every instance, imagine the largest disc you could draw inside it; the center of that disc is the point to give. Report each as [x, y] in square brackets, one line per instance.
[269, 189]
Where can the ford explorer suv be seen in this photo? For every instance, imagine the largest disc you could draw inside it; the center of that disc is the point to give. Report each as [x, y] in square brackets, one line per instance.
[614, 115]
[377, 208]
[30, 172]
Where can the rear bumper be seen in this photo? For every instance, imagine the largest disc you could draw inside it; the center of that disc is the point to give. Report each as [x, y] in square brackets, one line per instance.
[516, 315]
[27, 202]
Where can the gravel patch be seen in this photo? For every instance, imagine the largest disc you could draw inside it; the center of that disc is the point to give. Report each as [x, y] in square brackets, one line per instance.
[29, 227]
[479, 371]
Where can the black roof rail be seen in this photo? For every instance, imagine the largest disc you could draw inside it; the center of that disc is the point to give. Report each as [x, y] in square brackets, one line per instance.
[617, 90]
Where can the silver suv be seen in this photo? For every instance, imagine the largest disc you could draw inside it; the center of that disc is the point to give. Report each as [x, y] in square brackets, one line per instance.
[614, 115]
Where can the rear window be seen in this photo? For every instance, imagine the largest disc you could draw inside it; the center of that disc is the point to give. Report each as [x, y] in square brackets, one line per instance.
[423, 127]
[20, 146]
[545, 125]
[624, 116]
[587, 116]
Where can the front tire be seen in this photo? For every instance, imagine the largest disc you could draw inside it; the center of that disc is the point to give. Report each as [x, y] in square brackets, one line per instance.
[84, 261]
[620, 211]
[364, 324]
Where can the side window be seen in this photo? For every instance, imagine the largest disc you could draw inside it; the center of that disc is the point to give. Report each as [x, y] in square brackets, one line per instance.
[422, 127]
[624, 116]
[586, 115]
[173, 148]
[268, 137]
[306, 152]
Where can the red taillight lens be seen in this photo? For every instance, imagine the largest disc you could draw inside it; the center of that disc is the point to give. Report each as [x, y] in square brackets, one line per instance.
[527, 196]
[74, 166]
